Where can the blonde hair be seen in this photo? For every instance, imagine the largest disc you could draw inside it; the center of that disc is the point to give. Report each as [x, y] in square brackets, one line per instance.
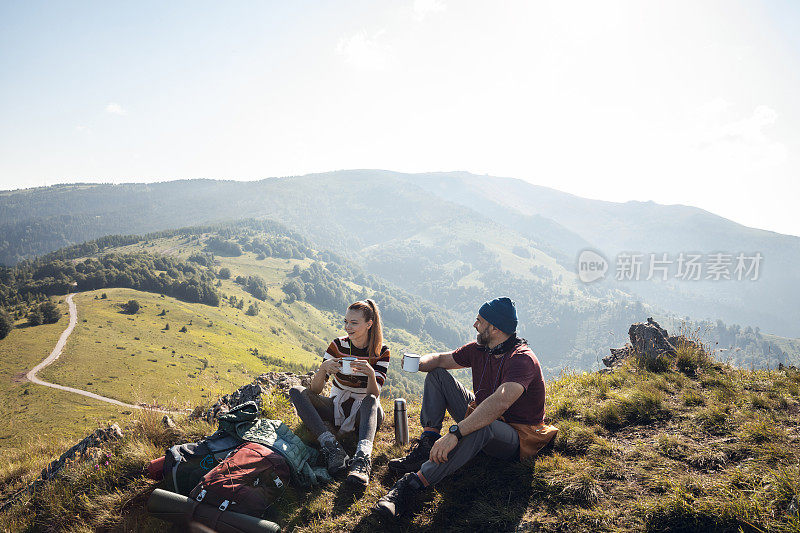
[375, 336]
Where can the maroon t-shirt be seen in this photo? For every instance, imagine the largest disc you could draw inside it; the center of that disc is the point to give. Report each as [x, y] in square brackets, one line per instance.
[518, 365]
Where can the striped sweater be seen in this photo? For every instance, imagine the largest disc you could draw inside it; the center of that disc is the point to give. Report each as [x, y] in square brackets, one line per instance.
[341, 347]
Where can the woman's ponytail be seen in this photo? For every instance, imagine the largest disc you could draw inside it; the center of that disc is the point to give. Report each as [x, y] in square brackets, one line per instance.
[375, 337]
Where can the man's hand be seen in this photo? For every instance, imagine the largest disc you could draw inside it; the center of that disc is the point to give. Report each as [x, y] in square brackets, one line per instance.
[442, 447]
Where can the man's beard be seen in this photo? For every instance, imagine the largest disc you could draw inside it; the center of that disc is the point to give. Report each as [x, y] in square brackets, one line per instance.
[483, 339]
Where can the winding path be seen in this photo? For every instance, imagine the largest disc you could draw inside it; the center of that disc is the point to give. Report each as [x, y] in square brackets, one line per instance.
[62, 341]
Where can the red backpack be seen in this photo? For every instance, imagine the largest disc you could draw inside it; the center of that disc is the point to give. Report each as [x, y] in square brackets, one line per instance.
[248, 481]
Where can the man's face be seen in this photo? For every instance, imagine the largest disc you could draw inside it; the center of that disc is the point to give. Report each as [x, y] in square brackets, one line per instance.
[484, 329]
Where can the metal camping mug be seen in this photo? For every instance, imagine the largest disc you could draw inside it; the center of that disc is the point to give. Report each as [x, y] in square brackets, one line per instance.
[400, 422]
[346, 368]
[411, 362]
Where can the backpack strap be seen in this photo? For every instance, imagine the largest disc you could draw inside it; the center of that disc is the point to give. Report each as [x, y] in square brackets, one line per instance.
[189, 514]
[198, 500]
[218, 513]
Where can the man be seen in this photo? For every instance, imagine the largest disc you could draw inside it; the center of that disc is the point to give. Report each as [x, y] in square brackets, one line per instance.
[503, 418]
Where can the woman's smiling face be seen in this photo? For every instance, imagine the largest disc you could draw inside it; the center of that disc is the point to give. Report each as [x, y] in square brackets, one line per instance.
[354, 324]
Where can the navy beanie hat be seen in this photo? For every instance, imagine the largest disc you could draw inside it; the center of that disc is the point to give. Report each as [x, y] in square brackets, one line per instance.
[500, 313]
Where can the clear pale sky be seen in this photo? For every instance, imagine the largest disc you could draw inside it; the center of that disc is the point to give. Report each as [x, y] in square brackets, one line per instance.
[677, 102]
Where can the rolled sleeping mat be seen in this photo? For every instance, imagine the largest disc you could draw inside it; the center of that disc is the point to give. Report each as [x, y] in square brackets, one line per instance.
[176, 508]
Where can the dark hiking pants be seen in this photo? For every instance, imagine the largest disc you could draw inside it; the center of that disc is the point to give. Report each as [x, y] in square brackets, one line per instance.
[442, 392]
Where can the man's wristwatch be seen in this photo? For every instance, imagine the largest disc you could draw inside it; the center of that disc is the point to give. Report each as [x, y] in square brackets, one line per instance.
[455, 431]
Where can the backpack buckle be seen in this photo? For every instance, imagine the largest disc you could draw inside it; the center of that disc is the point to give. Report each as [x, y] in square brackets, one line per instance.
[201, 495]
[223, 505]
[278, 482]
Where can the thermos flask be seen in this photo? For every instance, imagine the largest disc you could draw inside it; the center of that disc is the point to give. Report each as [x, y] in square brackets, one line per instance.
[400, 422]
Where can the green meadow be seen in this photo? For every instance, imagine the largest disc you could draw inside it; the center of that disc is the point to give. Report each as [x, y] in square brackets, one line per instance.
[145, 358]
[34, 413]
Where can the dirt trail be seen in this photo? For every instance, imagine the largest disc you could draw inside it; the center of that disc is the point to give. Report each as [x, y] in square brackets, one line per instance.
[62, 341]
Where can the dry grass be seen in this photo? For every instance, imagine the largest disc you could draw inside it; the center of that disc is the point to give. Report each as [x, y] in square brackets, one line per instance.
[637, 451]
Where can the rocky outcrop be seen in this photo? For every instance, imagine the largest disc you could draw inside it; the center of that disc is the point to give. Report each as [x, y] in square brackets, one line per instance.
[88, 447]
[649, 341]
[279, 382]
[618, 355]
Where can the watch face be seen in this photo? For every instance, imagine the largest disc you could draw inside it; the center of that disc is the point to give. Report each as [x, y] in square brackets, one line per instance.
[453, 428]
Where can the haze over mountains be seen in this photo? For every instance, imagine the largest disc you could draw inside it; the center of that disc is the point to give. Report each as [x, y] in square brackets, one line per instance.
[453, 238]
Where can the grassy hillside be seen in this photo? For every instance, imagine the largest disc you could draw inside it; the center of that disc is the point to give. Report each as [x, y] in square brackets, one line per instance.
[136, 359]
[704, 448]
[35, 414]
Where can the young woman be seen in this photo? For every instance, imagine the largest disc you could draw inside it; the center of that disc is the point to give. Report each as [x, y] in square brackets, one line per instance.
[353, 401]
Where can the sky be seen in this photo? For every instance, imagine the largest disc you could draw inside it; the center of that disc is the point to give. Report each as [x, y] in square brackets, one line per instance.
[676, 102]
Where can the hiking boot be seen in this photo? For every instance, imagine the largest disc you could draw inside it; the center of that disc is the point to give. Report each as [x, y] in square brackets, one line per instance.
[360, 467]
[398, 500]
[335, 457]
[419, 453]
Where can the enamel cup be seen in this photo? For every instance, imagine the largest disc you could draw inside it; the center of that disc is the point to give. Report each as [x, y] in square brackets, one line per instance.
[346, 368]
[411, 362]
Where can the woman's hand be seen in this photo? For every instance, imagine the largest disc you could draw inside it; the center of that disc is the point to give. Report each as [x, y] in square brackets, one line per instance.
[363, 367]
[331, 366]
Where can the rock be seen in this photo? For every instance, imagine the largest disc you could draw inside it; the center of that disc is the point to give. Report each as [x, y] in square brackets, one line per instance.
[93, 454]
[93, 441]
[271, 381]
[167, 422]
[618, 355]
[648, 340]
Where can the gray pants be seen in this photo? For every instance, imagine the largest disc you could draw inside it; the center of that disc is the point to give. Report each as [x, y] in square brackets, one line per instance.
[442, 392]
[314, 410]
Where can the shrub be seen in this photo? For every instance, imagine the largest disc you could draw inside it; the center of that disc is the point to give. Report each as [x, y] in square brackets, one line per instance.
[679, 512]
[691, 399]
[641, 406]
[50, 313]
[35, 317]
[578, 488]
[759, 401]
[183, 329]
[691, 358]
[224, 273]
[576, 439]
[713, 419]
[131, 307]
[660, 363]
[672, 447]
[565, 409]
[762, 430]
[6, 323]
[252, 310]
